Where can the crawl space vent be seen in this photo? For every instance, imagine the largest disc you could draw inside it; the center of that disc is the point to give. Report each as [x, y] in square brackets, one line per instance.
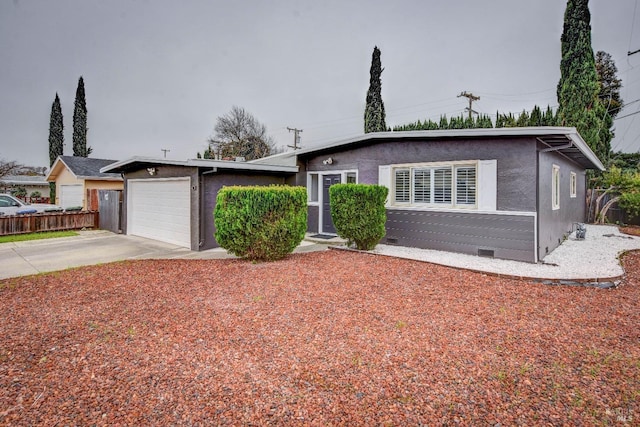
[485, 253]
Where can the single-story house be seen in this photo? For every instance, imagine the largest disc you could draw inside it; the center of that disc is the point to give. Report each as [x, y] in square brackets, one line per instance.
[173, 201]
[31, 183]
[76, 179]
[512, 193]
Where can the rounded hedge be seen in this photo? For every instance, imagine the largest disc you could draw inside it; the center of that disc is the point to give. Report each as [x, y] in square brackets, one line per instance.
[358, 213]
[260, 223]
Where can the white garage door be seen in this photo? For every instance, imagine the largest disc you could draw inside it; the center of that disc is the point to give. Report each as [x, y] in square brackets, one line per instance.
[160, 209]
[71, 196]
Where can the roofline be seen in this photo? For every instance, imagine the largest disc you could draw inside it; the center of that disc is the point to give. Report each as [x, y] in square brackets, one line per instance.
[570, 132]
[584, 148]
[53, 166]
[201, 163]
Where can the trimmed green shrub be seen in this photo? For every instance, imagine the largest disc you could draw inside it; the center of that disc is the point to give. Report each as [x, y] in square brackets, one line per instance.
[260, 223]
[358, 213]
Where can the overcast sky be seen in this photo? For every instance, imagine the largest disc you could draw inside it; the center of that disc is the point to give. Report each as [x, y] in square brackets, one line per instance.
[158, 73]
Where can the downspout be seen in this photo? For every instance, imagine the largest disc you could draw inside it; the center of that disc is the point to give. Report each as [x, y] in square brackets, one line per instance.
[536, 234]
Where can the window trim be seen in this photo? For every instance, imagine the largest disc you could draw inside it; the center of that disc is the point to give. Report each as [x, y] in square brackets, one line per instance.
[343, 179]
[555, 187]
[573, 185]
[451, 195]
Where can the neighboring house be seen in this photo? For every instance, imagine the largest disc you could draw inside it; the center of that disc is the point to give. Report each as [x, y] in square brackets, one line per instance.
[77, 177]
[173, 201]
[31, 183]
[512, 193]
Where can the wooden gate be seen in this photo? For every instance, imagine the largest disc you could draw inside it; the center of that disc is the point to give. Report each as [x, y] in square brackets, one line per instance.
[110, 208]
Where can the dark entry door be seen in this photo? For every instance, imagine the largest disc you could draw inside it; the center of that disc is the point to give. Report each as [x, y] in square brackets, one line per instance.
[327, 223]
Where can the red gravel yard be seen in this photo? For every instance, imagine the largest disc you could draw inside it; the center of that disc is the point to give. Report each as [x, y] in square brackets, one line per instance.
[325, 338]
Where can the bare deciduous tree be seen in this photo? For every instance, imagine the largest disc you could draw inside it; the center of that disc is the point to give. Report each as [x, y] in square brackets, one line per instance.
[239, 134]
[6, 168]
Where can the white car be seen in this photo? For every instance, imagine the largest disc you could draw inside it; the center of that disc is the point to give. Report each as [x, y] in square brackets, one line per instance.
[10, 205]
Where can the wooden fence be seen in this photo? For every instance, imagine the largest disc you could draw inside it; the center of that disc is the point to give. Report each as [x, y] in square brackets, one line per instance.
[48, 221]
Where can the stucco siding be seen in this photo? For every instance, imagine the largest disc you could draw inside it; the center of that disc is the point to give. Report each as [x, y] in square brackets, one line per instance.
[515, 161]
[498, 235]
[556, 224]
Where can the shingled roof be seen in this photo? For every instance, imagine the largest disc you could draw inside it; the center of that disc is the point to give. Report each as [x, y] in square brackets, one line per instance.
[84, 168]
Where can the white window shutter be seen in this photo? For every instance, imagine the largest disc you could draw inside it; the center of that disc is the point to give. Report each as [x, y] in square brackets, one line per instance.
[487, 185]
[384, 179]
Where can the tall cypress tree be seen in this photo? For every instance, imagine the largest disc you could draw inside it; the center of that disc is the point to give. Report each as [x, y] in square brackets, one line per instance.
[374, 115]
[56, 140]
[80, 147]
[578, 87]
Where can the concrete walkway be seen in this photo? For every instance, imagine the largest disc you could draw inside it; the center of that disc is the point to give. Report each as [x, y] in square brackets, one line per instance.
[594, 259]
[98, 247]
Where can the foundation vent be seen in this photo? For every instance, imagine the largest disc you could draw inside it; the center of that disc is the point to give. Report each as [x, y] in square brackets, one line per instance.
[488, 253]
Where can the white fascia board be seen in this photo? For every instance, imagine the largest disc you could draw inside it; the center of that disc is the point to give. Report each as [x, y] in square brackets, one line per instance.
[582, 146]
[246, 166]
[136, 159]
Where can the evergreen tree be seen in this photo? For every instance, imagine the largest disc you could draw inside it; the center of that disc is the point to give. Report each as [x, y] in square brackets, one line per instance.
[509, 121]
[578, 88]
[523, 119]
[549, 118]
[535, 119]
[80, 147]
[444, 123]
[432, 125]
[56, 140]
[484, 121]
[609, 83]
[374, 115]
[469, 123]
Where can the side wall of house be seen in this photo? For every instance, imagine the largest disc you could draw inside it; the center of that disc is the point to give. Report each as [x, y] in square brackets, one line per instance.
[554, 225]
[211, 184]
[508, 231]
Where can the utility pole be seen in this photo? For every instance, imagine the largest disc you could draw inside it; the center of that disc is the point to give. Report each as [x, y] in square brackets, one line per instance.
[296, 138]
[164, 150]
[471, 98]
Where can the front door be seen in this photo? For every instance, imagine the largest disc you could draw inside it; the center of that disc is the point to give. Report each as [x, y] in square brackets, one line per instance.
[327, 223]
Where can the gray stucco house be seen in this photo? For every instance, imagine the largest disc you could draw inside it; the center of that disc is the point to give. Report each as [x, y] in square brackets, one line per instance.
[173, 201]
[512, 193]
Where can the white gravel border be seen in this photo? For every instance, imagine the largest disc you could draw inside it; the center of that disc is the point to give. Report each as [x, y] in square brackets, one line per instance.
[595, 258]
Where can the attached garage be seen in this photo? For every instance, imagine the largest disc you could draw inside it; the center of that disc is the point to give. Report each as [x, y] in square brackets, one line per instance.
[173, 201]
[71, 195]
[160, 209]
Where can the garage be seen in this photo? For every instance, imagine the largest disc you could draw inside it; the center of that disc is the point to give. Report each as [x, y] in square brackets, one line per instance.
[71, 196]
[160, 209]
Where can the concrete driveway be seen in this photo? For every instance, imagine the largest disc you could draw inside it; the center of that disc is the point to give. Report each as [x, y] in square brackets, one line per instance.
[97, 247]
